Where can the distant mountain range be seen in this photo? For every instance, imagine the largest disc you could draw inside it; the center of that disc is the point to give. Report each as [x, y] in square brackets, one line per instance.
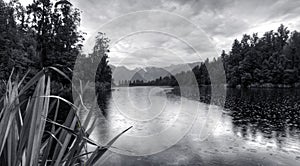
[121, 73]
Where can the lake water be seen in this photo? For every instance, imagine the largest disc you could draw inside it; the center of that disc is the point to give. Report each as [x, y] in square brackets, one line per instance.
[172, 127]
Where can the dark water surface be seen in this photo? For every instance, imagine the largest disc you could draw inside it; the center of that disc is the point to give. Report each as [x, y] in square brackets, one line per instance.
[247, 127]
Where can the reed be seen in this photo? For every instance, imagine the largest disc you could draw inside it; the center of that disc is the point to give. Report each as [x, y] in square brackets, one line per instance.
[24, 139]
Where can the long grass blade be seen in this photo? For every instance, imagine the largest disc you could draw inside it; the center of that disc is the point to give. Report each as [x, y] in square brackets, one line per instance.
[54, 137]
[100, 150]
[40, 123]
[65, 145]
[30, 83]
[47, 150]
[34, 123]
[8, 117]
[22, 80]
[69, 130]
[23, 138]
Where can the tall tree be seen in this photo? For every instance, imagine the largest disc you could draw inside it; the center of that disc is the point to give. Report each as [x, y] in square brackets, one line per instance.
[56, 31]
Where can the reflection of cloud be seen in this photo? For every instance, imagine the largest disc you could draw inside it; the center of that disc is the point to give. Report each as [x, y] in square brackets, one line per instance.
[222, 20]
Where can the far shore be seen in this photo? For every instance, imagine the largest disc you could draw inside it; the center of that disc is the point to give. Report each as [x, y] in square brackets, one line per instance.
[252, 86]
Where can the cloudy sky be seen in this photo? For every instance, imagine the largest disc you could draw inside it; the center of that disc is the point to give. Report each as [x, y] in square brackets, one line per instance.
[164, 32]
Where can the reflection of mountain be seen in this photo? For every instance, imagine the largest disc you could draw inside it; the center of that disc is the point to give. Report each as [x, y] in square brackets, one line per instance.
[121, 73]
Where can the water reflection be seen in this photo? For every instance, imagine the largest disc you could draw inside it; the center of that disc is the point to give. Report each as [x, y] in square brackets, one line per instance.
[270, 113]
[273, 113]
[256, 121]
[103, 98]
[158, 121]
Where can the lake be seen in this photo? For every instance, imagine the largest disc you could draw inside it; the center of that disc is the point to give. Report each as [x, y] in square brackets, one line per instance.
[194, 127]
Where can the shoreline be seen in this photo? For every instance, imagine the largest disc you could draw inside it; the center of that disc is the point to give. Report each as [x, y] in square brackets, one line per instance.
[254, 86]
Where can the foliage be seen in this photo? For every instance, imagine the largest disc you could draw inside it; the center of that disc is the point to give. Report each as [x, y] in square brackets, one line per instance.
[272, 59]
[40, 35]
[198, 76]
[96, 60]
[24, 140]
[17, 49]
[45, 33]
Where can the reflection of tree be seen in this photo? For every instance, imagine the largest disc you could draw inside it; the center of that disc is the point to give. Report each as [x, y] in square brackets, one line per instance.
[273, 113]
[203, 94]
[103, 98]
[102, 101]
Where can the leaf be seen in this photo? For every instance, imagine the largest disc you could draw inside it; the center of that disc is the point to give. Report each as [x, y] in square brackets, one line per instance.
[65, 144]
[35, 123]
[8, 117]
[100, 150]
[47, 151]
[62, 2]
[61, 73]
[20, 83]
[53, 136]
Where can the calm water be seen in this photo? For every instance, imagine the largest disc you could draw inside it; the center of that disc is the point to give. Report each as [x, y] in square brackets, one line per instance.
[171, 127]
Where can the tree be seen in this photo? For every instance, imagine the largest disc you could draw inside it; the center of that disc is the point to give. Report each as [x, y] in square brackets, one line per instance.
[17, 49]
[97, 59]
[101, 49]
[56, 32]
[282, 36]
[273, 58]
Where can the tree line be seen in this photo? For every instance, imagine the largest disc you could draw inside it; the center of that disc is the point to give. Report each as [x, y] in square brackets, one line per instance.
[272, 60]
[198, 76]
[46, 33]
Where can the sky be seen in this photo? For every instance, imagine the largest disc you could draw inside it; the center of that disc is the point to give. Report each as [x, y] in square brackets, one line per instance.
[164, 32]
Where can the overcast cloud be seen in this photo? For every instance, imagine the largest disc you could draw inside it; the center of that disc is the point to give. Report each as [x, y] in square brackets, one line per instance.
[221, 21]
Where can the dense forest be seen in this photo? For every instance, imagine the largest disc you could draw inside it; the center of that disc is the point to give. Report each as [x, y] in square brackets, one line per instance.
[44, 34]
[272, 60]
[47, 34]
[39, 45]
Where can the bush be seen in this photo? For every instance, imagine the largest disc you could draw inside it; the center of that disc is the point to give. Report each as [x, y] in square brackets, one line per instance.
[24, 139]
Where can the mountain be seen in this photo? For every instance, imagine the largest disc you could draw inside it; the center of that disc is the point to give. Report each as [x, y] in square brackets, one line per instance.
[121, 73]
[174, 69]
[137, 76]
[151, 73]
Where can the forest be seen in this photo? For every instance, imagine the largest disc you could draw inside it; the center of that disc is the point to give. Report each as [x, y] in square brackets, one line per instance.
[45, 34]
[39, 45]
[272, 60]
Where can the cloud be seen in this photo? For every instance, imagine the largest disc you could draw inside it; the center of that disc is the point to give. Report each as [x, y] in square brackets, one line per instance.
[221, 21]
[154, 49]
